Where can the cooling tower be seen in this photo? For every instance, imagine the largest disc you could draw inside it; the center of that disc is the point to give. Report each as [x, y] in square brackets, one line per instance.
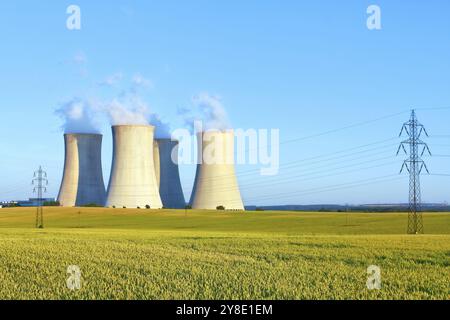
[82, 181]
[215, 182]
[133, 182]
[167, 173]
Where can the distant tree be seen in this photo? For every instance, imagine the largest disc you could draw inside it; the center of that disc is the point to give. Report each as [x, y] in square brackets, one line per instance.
[147, 207]
[188, 207]
[51, 204]
[221, 208]
[92, 205]
[259, 209]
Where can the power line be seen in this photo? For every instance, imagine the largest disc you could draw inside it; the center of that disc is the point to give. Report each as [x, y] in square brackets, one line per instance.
[291, 165]
[313, 171]
[313, 175]
[317, 159]
[320, 172]
[306, 177]
[325, 187]
[432, 108]
[355, 125]
[439, 145]
[354, 184]
[320, 177]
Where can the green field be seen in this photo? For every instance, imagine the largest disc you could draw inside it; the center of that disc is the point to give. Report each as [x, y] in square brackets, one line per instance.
[146, 254]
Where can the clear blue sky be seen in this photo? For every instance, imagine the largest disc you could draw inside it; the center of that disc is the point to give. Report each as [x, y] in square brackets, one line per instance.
[304, 67]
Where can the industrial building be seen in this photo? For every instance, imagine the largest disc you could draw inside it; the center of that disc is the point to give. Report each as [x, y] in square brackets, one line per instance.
[82, 181]
[133, 181]
[31, 202]
[165, 153]
[216, 183]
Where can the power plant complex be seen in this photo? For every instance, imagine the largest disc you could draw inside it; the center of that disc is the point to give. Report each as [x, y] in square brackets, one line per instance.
[145, 173]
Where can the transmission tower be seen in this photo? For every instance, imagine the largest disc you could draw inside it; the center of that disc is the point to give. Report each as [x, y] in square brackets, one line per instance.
[40, 182]
[414, 165]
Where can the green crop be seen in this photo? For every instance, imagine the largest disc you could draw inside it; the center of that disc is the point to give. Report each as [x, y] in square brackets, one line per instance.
[146, 254]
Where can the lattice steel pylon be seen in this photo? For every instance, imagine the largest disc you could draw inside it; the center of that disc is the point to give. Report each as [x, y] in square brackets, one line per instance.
[414, 165]
[40, 182]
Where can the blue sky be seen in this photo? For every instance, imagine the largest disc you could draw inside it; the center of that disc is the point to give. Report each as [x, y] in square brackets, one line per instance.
[304, 67]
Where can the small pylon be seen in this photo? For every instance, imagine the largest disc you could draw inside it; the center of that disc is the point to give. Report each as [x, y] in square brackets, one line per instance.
[40, 182]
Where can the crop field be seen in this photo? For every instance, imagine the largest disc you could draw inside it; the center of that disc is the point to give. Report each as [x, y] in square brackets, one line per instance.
[166, 254]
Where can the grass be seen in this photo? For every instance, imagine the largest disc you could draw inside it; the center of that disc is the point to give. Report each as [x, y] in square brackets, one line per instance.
[146, 254]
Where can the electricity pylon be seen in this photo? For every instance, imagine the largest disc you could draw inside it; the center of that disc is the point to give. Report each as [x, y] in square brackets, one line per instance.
[40, 182]
[414, 165]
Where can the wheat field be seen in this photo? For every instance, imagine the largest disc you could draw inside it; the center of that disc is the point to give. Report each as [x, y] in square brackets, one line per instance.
[166, 254]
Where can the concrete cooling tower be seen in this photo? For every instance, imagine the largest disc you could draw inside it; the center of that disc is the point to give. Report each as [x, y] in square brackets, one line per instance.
[82, 181]
[167, 173]
[215, 182]
[133, 182]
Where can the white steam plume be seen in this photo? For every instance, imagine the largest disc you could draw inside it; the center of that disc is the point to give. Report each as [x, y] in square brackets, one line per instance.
[111, 80]
[130, 111]
[162, 129]
[213, 112]
[126, 108]
[79, 116]
[209, 110]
